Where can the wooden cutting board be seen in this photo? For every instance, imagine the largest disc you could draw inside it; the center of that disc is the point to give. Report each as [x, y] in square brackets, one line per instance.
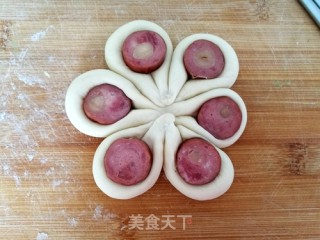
[46, 185]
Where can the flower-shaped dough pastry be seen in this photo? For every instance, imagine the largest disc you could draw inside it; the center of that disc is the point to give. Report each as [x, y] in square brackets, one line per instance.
[165, 113]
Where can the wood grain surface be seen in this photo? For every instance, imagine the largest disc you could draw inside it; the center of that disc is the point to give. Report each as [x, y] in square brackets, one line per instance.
[46, 184]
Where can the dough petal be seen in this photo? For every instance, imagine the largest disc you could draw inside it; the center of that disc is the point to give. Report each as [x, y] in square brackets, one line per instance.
[153, 135]
[214, 189]
[155, 85]
[182, 88]
[79, 88]
[190, 107]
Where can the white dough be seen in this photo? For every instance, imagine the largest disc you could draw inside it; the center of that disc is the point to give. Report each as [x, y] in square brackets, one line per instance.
[214, 189]
[154, 86]
[153, 135]
[79, 88]
[183, 89]
[187, 108]
[165, 103]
